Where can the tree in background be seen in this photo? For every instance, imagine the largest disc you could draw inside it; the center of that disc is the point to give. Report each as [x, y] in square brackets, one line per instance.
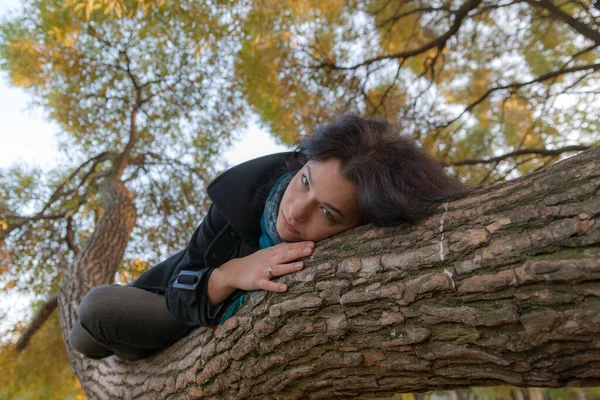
[491, 88]
[146, 93]
[143, 93]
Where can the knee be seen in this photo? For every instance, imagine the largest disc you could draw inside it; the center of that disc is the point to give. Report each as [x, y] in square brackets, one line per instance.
[95, 303]
[83, 343]
[75, 338]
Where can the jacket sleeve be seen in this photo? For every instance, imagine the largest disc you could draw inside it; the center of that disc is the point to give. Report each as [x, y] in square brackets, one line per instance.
[187, 295]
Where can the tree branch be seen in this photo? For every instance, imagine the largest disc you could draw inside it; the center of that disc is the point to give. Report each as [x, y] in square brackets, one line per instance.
[57, 193]
[541, 152]
[573, 22]
[70, 237]
[122, 162]
[541, 78]
[394, 18]
[170, 161]
[439, 42]
[499, 287]
[38, 320]
[128, 69]
[16, 221]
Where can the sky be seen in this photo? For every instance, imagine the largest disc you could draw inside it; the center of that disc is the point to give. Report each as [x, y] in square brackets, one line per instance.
[27, 137]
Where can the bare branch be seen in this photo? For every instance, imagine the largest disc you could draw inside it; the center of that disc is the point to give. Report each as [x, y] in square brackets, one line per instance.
[102, 40]
[38, 320]
[128, 70]
[17, 221]
[122, 162]
[162, 160]
[394, 18]
[573, 22]
[505, 174]
[541, 78]
[163, 90]
[489, 173]
[541, 152]
[58, 192]
[495, 6]
[439, 42]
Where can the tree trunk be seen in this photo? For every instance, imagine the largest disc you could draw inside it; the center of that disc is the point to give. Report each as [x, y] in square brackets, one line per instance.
[96, 265]
[499, 288]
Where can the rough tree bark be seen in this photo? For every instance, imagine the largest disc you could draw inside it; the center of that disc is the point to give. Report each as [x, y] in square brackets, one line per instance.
[501, 287]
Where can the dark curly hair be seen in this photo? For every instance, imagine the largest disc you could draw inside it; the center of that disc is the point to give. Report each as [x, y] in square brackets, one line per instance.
[396, 180]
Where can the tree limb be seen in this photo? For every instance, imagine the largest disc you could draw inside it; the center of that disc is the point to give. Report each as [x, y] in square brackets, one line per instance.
[541, 78]
[36, 323]
[16, 221]
[123, 159]
[395, 18]
[500, 287]
[541, 152]
[57, 193]
[70, 237]
[573, 22]
[439, 42]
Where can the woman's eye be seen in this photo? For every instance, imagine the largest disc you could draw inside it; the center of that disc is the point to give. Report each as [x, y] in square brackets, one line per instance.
[304, 180]
[328, 215]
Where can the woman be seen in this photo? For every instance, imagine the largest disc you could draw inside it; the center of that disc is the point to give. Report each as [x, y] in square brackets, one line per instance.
[265, 217]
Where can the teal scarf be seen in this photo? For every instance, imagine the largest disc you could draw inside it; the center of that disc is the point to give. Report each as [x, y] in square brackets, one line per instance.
[269, 236]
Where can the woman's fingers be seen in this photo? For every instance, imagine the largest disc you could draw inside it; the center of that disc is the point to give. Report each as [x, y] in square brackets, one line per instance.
[280, 256]
[272, 286]
[276, 271]
[293, 252]
[284, 269]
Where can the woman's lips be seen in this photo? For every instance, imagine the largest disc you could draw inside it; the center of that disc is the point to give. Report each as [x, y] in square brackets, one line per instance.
[287, 224]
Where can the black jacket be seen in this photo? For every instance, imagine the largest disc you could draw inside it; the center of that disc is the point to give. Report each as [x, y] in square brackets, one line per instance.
[230, 229]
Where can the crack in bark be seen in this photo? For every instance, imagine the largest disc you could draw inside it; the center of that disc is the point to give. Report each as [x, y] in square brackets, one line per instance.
[442, 231]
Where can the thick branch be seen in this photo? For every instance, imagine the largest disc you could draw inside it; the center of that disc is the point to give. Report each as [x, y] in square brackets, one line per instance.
[501, 287]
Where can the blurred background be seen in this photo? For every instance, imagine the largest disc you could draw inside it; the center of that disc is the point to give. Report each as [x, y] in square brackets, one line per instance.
[494, 90]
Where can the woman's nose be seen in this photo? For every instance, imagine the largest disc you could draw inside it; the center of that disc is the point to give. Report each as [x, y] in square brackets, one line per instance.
[298, 211]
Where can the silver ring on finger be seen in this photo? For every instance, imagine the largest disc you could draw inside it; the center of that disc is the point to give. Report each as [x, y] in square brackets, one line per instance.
[270, 271]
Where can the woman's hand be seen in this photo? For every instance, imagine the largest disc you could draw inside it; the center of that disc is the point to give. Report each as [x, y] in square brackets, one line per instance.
[252, 272]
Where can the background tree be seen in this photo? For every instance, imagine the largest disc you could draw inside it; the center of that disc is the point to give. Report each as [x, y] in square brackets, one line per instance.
[491, 88]
[143, 93]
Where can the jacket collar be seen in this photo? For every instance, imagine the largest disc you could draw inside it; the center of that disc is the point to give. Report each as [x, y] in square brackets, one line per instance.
[239, 193]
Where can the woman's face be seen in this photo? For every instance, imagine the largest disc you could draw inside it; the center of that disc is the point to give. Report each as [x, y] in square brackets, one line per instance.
[318, 203]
